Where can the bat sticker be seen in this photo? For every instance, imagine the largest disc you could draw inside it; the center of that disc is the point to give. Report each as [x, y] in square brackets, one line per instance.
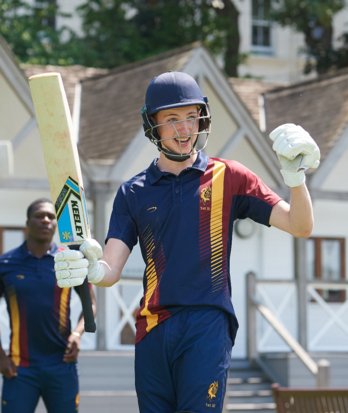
[70, 207]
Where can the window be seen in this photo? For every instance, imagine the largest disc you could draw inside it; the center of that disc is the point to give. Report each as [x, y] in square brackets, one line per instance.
[261, 25]
[47, 10]
[10, 237]
[326, 262]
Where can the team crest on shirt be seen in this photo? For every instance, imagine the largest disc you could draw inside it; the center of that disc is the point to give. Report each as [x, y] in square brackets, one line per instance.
[205, 198]
[211, 394]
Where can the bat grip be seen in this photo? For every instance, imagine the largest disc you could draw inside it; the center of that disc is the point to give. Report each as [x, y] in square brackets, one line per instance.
[86, 302]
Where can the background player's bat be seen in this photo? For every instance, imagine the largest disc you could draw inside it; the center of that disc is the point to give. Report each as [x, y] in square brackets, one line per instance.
[63, 169]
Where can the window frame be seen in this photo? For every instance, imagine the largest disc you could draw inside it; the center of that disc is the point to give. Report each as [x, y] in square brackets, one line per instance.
[334, 296]
[259, 23]
[3, 229]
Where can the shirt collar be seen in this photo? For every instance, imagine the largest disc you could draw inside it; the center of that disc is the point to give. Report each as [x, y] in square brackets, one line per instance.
[155, 174]
[52, 251]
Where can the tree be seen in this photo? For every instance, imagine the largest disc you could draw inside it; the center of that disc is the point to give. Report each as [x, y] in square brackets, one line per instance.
[115, 32]
[118, 31]
[314, 18]
[229, 21]
[31, 32]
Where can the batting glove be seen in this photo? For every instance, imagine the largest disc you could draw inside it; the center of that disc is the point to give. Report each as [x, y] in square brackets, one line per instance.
[93, 251]
[71, 268]
[296, 151]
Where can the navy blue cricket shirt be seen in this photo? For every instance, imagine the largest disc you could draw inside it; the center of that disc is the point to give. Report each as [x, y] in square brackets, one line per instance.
[39, 310]
[184, 226]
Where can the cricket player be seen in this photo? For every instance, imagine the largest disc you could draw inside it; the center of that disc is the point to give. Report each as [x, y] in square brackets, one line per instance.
[43, 349]
[181, 210]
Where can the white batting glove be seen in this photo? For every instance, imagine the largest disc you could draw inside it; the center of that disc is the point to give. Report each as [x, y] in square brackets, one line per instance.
[93, 251]
[296, 151]
[71, 268]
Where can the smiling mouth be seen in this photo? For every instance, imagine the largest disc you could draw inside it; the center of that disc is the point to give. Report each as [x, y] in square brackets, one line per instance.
[183, 140]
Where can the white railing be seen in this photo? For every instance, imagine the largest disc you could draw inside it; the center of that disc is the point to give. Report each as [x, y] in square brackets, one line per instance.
[327, 321]
[320, 370]
[122, 301]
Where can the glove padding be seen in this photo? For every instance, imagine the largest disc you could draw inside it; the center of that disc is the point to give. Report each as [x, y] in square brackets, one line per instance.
[296, 151]
[93, 251]
[72, 266]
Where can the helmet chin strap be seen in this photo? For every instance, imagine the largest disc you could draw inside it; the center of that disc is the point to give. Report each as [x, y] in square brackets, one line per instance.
[174, 156]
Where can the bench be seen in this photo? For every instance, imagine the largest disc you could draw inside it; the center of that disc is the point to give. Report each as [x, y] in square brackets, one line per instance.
[314, 400]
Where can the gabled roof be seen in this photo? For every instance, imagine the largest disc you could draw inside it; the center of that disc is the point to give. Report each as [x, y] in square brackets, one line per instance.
[250, 91]
[111, 104]
[320, 106]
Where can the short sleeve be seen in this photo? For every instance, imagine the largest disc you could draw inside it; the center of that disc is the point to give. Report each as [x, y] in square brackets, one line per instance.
[254, 199]
[122, 225]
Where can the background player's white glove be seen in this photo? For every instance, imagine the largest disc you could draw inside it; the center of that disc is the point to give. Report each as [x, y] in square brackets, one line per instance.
[72, 267]
[296, 151]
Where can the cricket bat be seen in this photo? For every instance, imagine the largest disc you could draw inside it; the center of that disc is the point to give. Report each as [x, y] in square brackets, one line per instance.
[63, 168]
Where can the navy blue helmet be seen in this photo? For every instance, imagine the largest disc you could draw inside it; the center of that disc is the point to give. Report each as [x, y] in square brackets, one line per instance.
[172, 90]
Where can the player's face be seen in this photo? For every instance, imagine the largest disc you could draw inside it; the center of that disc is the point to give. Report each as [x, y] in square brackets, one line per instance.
[178, 128]
[42, 223]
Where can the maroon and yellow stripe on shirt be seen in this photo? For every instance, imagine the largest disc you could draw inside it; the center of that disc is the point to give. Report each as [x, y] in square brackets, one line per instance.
[19, 338]
[150, 310]
[61, 303]
[213, 239]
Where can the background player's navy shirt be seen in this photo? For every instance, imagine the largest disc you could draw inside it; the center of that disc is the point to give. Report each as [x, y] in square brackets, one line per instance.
[184, 225]
[39, 310]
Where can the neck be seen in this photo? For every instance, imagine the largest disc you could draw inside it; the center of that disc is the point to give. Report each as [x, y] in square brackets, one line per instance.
[166, 165]
[38, 248]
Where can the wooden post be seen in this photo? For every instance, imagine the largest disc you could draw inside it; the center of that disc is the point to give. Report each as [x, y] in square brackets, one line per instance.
[100, 195]
[301, 283]
[323, 376]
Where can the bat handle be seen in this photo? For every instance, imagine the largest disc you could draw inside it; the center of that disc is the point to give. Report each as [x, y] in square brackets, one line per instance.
[87, 309]
[86, 302]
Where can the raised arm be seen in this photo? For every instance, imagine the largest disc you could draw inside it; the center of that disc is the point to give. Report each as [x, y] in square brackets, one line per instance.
[296, 217]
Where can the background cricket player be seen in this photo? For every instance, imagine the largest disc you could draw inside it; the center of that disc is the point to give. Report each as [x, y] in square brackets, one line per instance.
[181, 209]
[43, 349]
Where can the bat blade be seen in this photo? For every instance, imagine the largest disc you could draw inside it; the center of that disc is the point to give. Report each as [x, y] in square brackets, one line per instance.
[63, 168]
[61, 156]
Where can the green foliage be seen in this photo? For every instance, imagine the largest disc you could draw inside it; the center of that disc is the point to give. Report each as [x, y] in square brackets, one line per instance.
[116, 32]
[30, 31]
[302, 13]
[314, 18]
[109, 38]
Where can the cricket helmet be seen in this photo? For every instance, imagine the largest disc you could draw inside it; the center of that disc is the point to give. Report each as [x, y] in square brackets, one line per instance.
[173, 90]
